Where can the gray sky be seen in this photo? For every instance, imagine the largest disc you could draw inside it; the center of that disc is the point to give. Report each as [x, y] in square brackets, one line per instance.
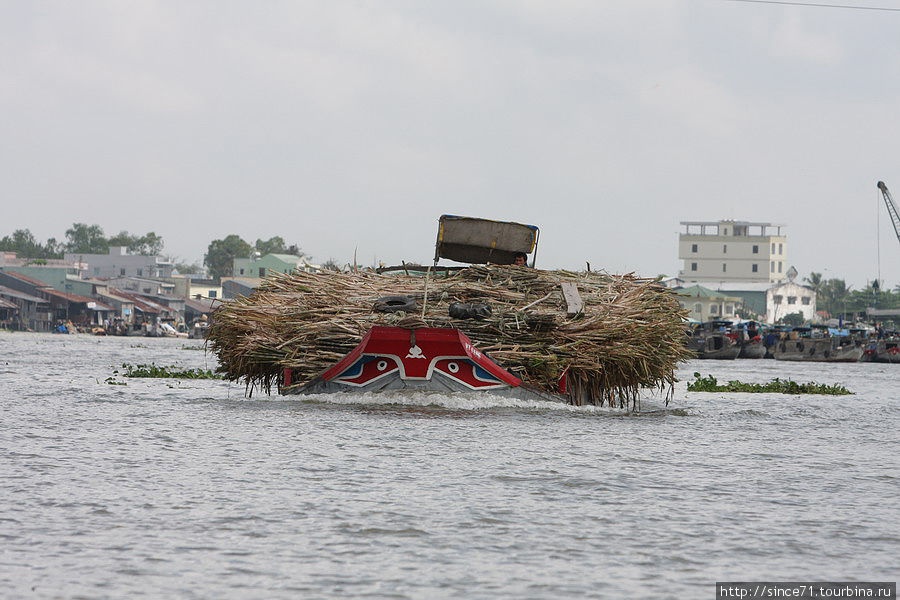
[356, 124]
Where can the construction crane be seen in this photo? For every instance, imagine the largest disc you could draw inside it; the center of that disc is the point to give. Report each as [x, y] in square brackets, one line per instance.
[891, 208]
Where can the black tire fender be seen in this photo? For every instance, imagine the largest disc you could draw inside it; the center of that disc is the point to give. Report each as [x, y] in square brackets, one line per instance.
[389, 304]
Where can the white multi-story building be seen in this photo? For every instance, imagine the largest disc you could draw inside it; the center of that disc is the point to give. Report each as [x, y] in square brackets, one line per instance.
[732, 251]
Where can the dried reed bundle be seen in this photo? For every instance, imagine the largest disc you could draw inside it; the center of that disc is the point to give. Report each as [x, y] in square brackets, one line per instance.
[629, 336]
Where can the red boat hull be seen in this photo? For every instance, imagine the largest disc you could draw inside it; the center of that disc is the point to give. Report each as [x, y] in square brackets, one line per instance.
[436, 359]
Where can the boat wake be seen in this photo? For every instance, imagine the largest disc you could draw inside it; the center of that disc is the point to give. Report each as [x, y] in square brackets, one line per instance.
[460, 402]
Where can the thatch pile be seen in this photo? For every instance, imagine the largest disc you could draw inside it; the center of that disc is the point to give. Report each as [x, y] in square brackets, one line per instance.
[630, 335]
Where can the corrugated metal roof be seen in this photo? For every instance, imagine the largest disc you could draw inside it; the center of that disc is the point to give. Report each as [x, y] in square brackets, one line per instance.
[26, 278]
[201, 306]
[698, 291]
[70, 297]
[5, 291]
[145, 306]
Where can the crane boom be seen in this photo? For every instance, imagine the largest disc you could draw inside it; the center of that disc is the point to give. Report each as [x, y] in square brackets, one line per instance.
[891, 208]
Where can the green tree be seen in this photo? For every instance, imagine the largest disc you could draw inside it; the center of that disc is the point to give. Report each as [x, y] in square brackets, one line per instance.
[794, 319]
[814, 280]
[835, 296]
[220, 255]
[22, 242]
[148, 244]
[86, 239]
[273, 245]
[277, 245]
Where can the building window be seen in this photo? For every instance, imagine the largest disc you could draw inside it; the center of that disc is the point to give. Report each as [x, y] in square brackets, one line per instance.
[724, 248]
[262, 271]
[212, 293]
[96, 270]
[792, 299]
[776, 299]
[713, 309]
[779, 267]
[242, 271]
[755, 249]
[122, 272]
[773, 247]
[140, 272]
[698, 308]
[693, 247]
[681, 304]
[805, 300]
[729, 309]
[723, 267]
[772, 265]
[755, 267]
[726, 231]
[146, 290]
[780, 249]
[693, 266]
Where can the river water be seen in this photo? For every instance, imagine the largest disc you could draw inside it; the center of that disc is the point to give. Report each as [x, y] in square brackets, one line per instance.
[184, 488]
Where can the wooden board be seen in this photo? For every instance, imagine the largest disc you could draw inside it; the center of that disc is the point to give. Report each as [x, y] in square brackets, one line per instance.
[574, 304]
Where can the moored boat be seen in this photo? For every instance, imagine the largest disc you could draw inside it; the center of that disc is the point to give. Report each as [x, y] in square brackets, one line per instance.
[714, 340]
[802, 346]
[883, 351]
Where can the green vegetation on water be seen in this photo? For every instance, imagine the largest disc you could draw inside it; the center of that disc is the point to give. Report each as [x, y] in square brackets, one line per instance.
[160, 372]
[776, 386]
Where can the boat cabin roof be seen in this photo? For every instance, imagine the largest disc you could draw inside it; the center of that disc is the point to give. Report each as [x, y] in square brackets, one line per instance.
[478, 241]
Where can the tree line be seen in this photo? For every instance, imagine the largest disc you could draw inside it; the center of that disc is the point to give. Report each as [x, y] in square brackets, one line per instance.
[80, 238]
[90, 239]
[837, 298]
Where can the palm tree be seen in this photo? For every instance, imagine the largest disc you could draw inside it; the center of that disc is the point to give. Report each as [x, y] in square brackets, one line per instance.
[836, 293]
[815, 280]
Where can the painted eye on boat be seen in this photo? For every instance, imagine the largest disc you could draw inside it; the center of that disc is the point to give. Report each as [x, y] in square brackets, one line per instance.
[382, 365]
[453, 367]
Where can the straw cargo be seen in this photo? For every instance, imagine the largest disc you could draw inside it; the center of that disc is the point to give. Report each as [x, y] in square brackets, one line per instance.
[628, 336]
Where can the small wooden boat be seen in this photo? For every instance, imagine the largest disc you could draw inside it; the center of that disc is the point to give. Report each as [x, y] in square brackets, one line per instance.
[883, 351]
[719, 346]
[714, 340]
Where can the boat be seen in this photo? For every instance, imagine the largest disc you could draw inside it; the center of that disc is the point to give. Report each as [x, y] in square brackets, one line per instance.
[442, 346]
[885, 350]
[427, 358]
[751, 340]
[433, 358]
[818, 344]
[714, 340]
[198, 331]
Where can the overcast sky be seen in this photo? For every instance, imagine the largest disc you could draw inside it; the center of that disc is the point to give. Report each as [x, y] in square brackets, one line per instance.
[339, 125]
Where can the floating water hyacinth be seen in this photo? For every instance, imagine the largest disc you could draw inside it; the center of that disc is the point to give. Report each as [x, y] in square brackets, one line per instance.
[775, 386]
